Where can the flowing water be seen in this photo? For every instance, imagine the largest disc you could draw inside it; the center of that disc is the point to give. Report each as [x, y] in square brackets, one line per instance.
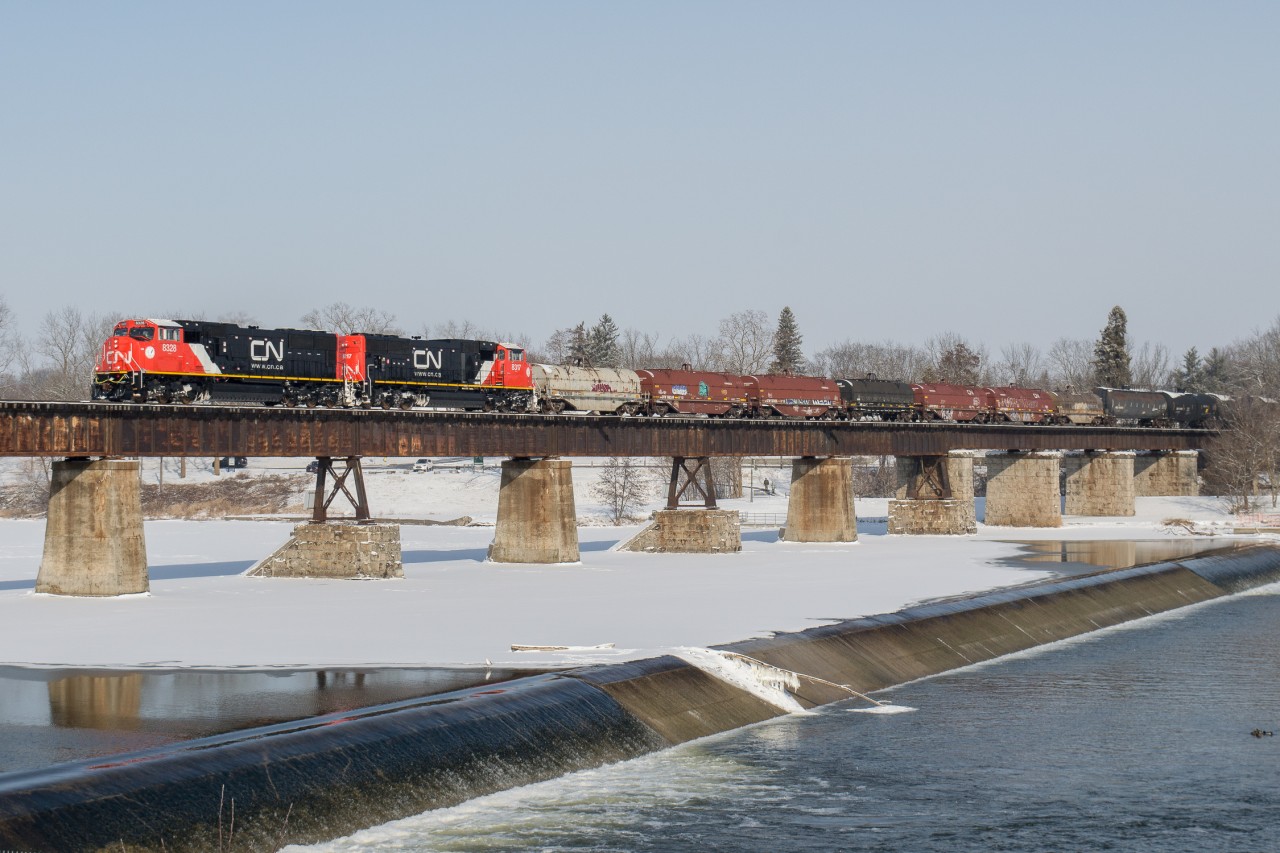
[1136, 738]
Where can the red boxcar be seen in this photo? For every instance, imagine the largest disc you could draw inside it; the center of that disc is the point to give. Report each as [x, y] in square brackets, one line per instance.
[1023, 405]
[940, 401]
[695, 392]
[795, 396]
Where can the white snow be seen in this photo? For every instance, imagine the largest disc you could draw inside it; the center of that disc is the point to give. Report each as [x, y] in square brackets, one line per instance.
[454, 609]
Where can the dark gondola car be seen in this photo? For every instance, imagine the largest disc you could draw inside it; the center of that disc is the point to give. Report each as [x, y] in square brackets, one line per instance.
[869, 397]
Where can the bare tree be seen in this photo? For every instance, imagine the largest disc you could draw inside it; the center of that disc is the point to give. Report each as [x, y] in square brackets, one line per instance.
[8, 346]
[887, 360]
[1149, 366]
[1071, 364]
[1255, 363]
[349, 320]
[639, 349]
[745, 342]
[58, 364]
[623, 483]
[1245, 456]
[1021, 364]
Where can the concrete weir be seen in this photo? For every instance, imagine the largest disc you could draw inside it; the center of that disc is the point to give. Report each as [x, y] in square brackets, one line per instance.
[319, 778]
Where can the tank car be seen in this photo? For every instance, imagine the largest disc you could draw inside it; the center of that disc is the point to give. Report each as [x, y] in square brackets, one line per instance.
[692, 392]
[869, 397]
[599, 390]
[940, 401]
[1146, 408]
[1022, 405]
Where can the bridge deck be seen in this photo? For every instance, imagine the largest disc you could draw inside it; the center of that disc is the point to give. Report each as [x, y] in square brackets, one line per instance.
[91, 429]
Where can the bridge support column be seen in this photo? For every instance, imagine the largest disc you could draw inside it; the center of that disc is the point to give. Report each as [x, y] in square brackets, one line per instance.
[537, 519]
[338, 548]
[820, 506]
[1024, 489]
[934, 495]
[1173, 473]
[705, 530]
[93, 541]
[1099, 483]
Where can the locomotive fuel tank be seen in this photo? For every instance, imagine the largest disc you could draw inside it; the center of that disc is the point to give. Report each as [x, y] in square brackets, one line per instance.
[780, 394]
[887, 399]
[694, 392]
[604, 390]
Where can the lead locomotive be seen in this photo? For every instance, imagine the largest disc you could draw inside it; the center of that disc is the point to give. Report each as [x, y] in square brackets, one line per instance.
[188, 361]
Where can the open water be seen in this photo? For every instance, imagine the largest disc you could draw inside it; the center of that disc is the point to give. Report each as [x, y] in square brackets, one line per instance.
[1135, 738]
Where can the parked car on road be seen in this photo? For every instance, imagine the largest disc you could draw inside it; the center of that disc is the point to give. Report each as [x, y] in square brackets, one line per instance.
[423, 465]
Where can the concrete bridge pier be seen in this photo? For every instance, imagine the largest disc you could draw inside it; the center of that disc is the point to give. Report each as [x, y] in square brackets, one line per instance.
[820, 506]
[93, 540]
[1024, 489]
[1099, 483]
[934, 495]
[1160, 473]
[537, 519]
[338, 548]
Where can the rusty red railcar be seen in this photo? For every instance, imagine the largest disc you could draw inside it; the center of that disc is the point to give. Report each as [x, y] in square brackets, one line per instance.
[939, 401]
[784, 395]
[1022, 405]
[695, 392]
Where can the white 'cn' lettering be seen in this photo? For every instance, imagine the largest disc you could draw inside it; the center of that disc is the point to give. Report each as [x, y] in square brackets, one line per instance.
[266, 350]
[426, 360]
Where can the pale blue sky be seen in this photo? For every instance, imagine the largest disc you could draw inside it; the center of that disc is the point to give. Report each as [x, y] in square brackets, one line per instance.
[1005, 170]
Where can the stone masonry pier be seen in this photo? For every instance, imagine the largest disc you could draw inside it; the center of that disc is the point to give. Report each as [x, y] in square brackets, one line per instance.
[1099, 483]
[934, 495]
[1023, 489]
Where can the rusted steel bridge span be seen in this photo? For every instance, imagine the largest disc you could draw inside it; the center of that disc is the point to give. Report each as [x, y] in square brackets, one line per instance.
[91, 429]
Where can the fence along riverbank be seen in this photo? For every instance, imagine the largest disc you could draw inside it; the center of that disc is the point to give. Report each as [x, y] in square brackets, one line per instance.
[328, 776]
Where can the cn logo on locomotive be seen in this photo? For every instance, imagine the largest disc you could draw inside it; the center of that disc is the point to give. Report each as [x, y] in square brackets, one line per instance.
[426, 360]
[263, 350]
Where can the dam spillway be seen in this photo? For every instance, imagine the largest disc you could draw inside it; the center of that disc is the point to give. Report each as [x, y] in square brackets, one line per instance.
[328, 776]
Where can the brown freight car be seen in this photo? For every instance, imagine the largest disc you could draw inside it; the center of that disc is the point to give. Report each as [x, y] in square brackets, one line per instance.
[695, 392]
[784, 395]
[939, 401]
[1080, 408]
[1022, 405]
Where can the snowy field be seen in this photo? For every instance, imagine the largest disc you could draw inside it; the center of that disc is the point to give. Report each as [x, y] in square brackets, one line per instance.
[455, 609]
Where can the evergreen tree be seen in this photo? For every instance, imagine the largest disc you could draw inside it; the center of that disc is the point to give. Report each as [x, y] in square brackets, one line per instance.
[1216, 373]
[1190, 377]
[787, 355]
[579, 346]
[602, 343]
[1111, 352]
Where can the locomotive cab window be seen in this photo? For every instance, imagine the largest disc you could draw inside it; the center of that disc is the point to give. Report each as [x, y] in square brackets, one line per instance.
[170, 334]
[142, 333]
[517, 355]
[121, 331]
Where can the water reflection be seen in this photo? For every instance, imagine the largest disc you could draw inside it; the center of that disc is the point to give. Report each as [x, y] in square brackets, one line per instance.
[49, 716]
[1086, 555]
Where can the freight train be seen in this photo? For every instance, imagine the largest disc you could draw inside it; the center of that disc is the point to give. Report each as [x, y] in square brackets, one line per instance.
[189, 361]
